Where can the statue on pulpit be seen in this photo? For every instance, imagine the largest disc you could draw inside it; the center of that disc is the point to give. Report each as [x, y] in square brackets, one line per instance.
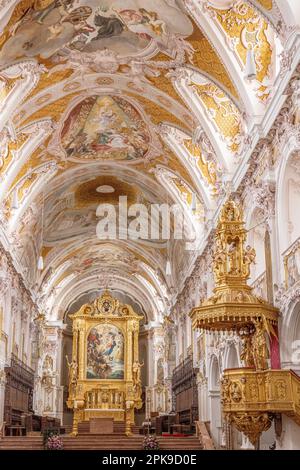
[219, 258]
[247, 352]
[233, 257]
[73, 372]
[260, 348]
[248, 258]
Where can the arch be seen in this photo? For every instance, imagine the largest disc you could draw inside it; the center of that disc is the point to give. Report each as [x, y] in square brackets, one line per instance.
[231, 358]
[290, 331]
[214, 375]
[288, 190]
[214, 399]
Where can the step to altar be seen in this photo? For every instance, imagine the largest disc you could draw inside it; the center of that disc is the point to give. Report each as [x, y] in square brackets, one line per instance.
[101, 442]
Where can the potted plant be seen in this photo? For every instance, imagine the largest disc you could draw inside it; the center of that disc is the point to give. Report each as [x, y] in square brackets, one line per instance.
[52, 439]
[150, 443]
[54, 442]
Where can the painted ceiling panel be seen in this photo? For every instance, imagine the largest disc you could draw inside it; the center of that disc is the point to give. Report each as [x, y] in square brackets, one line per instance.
[107, 89]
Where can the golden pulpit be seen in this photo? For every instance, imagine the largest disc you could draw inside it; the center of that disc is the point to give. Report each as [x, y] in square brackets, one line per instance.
[104, 374]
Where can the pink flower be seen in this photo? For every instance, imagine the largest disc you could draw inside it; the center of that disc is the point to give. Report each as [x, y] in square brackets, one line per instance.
[150, 443]
[54, 442]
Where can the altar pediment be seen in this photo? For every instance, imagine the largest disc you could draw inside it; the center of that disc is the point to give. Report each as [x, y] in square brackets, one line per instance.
[105, 306]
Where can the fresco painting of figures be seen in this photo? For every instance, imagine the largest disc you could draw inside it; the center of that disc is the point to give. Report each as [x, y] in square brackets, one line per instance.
[105, 127]
[105, 353]
[127, 27]
[293, 268]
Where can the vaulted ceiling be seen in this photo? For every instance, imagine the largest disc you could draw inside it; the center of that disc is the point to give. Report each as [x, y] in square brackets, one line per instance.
[137, 98]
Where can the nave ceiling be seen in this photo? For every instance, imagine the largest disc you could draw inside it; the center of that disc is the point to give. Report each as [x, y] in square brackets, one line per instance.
[148, 100]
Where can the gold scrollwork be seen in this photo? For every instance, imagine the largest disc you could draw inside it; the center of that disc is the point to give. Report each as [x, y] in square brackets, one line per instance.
[251, 399]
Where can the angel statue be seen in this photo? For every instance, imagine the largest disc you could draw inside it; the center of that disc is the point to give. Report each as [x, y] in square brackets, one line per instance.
[247, 352]
[219, 258]
[248, 259]
[136, 373]
[73, 369]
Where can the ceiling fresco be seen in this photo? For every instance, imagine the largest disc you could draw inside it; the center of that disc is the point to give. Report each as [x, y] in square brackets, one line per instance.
[104, 127]
[52, 28]
[137, 98]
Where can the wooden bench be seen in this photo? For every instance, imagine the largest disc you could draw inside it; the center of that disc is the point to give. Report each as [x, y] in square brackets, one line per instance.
[16, 430]
[180, 429]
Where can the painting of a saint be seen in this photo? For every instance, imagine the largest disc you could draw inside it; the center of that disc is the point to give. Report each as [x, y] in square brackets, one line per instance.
[50, 27]
[293, 267]
[105, 127]
[105, 353]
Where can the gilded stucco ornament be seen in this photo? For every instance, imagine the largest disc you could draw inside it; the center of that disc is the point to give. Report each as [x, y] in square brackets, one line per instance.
[251, 399]
[251, 425]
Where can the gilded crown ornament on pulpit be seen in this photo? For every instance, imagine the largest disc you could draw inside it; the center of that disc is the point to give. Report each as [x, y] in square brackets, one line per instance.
[104, 373]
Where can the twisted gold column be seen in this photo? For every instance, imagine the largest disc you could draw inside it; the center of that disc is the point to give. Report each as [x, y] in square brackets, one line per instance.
[129, 352]
[135, 342]
[81, 352]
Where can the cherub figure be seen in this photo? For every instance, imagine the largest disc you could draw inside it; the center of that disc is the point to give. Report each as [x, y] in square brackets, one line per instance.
[248, 258]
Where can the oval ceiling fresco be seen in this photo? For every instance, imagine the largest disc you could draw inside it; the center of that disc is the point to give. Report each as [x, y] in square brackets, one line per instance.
[105, 127]
[127, 27]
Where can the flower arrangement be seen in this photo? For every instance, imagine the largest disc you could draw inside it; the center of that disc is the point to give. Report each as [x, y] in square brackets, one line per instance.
[54, 442]
[150, 443]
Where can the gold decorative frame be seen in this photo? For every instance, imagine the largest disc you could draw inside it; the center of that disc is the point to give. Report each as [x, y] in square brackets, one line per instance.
[114, 398]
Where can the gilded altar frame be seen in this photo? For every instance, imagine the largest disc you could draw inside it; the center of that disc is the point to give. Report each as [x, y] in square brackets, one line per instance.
[114, 398]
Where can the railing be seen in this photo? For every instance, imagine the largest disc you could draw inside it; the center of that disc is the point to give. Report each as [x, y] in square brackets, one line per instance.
[104, 399]
[203, 435]
[260, 286]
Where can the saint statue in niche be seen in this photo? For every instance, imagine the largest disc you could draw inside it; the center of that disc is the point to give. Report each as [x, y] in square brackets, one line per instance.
[73, 372]
[233, 257]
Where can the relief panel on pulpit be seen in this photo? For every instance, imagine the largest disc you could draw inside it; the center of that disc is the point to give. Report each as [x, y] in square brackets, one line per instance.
[105, 353]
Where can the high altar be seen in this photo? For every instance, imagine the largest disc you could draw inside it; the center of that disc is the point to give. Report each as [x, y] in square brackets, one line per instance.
[104, 374]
